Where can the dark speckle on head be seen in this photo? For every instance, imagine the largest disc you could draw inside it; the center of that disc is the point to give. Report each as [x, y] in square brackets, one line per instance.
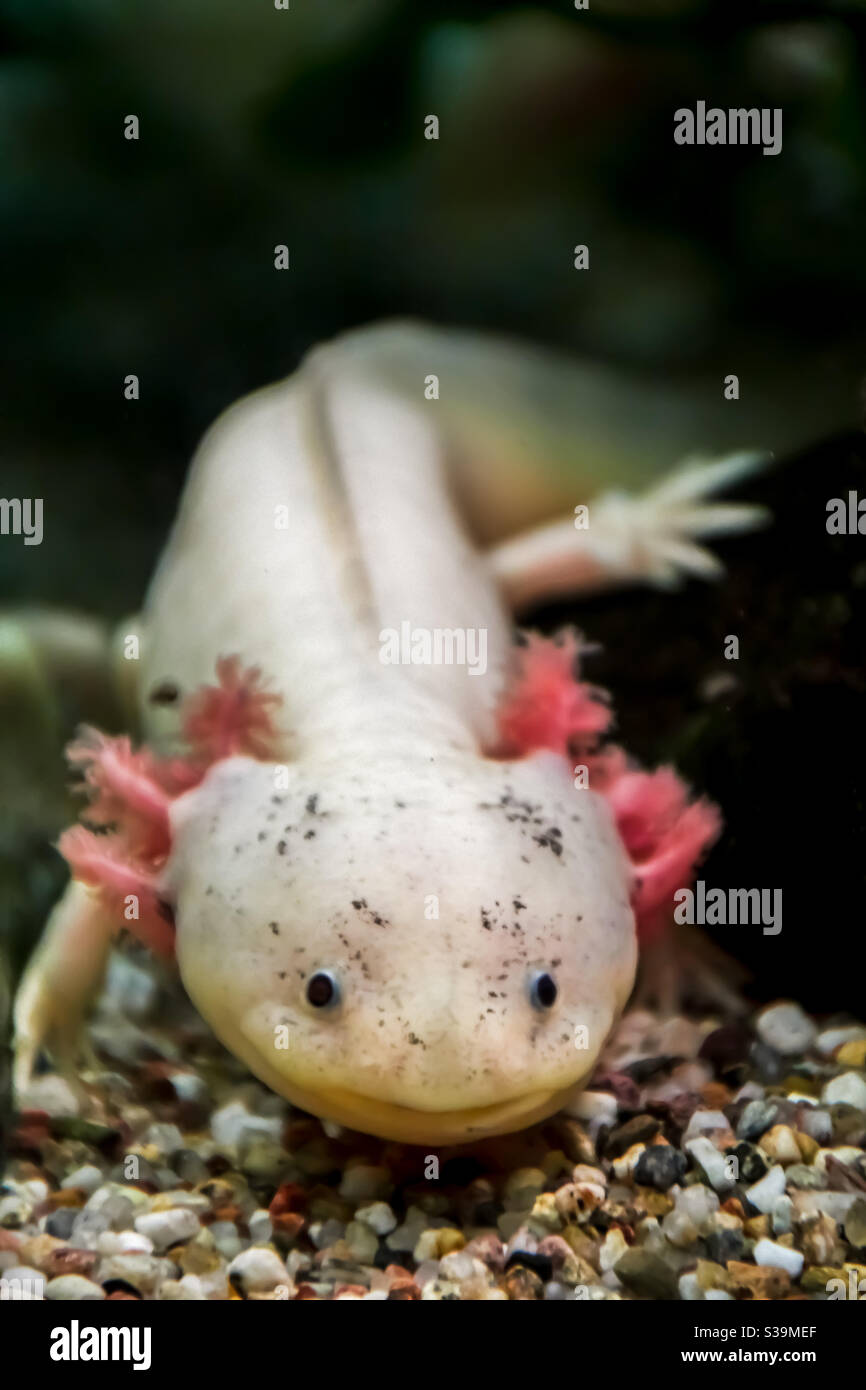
[165, 693]
[274, 928]
[281, 847]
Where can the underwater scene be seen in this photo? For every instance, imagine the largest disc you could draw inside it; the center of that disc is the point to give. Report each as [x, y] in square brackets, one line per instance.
[432, 587]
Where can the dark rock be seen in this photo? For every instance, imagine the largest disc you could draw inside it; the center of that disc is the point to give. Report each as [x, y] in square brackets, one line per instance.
[645, 1068]
[635, 1131]
[726, 1245]
[757, 1118]
[660, 1166]
[752, 1163]
[646, 1275]
[726, 1046]
[769, 1066]
[60, 1222]
[542, 1265]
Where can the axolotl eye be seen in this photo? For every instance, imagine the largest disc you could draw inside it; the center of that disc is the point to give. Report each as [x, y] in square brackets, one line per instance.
[323, 990]
[542, 990]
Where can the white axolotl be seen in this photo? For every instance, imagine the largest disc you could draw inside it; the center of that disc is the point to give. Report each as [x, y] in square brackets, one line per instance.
[404, 892]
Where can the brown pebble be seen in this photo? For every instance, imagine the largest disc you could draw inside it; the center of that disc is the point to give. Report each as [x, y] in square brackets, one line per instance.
[404, 1291]
[575, 1141]
[289, 1196]
[637, 1130]
[716, 1095]
[289, 1224]
[72, 1261]
[758, 1281]
[522, 1284]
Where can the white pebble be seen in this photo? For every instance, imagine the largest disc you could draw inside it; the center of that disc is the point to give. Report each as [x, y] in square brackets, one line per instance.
[847, 1089]
[714, 1163]
[226, 1239]
[689, 1289]
[817, 1124]
[704, 1120]
[234, 1123]
[594, 1107]
[767, 1252]
[260, 1225]
[169, 1227]
[612, 1249]
[699, 1203]
[75, 1287]
[782, 1215]
[51, 1093]
[378, 1216]
[831, 1038]
[786, 1028]
[258, 1269]
[124, 1243]
[88, 1179]
[765, 1192]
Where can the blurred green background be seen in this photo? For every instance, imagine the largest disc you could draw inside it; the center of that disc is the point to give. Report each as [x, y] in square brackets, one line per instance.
[306, 127]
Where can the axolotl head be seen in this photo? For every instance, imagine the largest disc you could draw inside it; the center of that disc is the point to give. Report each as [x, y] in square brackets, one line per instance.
[426, 953]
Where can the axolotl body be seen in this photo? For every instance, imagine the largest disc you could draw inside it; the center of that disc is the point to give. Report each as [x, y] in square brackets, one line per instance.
[404, 892]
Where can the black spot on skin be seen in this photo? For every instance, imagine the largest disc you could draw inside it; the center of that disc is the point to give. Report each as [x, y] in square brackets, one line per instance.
[518, 905]
[277, 800]
[166, 911]
[274, 928]
[165, 693]
[262, 835]
[415, 1041]
[485, 920]
[401, 805]
[547, 842]
[359, 904]
[281, 974]
[312, 802]
[281, 847]
[310, 835]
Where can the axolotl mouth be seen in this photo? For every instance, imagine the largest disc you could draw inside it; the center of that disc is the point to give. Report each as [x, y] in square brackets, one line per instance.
[402, 1123]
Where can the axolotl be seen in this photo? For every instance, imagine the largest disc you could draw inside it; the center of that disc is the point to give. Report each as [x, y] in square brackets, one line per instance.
[404, 884]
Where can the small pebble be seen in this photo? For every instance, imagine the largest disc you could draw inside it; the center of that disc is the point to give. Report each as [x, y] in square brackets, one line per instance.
[74, 1287]
[167, 1228]
[847, 1089]
[767, 1252]
[786, 1028]
[764, 1193]
[257, 1270]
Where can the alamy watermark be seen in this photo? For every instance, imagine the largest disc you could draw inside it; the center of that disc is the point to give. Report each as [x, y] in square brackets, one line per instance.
[22, 516]
[737, 125]
[731, 907]
[436, 646]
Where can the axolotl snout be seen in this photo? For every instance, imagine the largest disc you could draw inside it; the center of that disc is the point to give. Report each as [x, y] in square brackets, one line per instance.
[404, 893]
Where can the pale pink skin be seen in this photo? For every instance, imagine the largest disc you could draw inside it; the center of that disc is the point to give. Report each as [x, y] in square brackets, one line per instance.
[375, 791]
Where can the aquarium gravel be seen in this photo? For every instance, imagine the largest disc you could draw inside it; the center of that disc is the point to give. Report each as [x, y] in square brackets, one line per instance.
[708, 1160]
